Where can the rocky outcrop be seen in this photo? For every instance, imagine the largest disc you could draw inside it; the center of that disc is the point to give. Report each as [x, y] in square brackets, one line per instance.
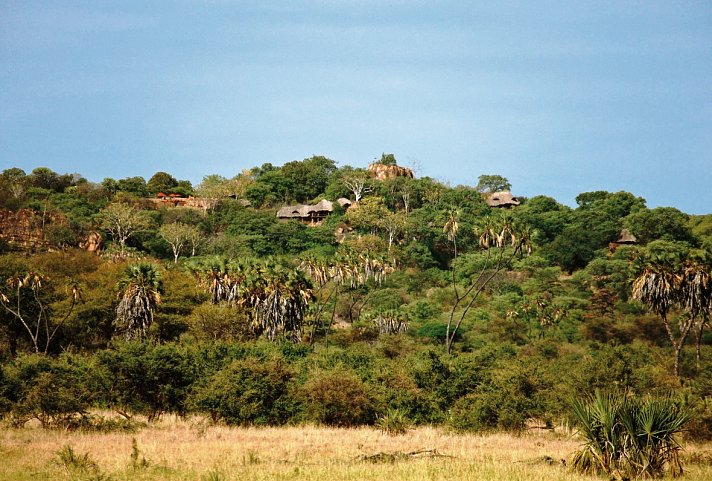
[25, 228]
[383, 172]
[92, 243]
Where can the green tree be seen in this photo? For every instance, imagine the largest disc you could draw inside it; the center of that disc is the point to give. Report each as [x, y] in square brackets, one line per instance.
[133, 185]
[665, 223]
[387, 159]
[369, 214]
[13, 184]
[502, 242]
[488, 184]
[161, 182]
[140, 291]
[45, 178]
[308, 178]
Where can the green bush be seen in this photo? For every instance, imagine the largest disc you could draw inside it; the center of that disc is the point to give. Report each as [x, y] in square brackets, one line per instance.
[394, 422]
[53, 391]
[248, 391]
[338, 398]
[141, 378]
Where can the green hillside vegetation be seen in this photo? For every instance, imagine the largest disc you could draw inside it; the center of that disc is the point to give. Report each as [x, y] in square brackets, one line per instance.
[419, 302]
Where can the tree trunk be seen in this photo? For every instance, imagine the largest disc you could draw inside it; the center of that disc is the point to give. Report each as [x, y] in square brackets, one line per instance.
[677, 344]
[699, 328]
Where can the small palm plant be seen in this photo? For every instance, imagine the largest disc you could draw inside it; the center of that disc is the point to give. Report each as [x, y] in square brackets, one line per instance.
[395, 422]
[629, 438]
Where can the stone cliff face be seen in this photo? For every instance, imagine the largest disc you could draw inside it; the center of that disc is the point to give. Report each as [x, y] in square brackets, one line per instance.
[383, 172]
[24, 229]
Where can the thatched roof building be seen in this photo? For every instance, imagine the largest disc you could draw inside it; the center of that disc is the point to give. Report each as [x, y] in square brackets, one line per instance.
[626, 238]
[344, 202]
[313, 214]
[503, 200]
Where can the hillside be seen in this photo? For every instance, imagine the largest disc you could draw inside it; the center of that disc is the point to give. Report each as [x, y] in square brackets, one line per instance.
[311, 293]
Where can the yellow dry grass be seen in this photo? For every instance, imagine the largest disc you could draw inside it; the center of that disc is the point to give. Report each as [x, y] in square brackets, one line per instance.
[193, 450]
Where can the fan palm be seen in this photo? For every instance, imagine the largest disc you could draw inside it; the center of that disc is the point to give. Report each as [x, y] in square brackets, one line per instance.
[140, 294]
[659, 289]
[696, 297]
[628, 438]
[451, 228]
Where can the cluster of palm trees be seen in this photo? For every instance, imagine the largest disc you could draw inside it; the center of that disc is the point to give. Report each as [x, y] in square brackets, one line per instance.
[348, 268]
[275, 296]
[390, 321]
[688, 289]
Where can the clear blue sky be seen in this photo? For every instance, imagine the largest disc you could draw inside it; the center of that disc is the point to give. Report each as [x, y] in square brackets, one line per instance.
[560, 97]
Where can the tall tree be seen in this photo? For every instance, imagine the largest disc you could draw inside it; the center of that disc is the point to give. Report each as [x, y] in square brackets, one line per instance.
[358, 182]
[27, 299]
[666, 283]
[161, 182]
[140, 291]
[122, 221]
[502, 242]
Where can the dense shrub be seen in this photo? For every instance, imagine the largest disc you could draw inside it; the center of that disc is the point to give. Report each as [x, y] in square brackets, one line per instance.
[504, 395]
[53, 391]
[338, 398]
[248, 391]
[138, 377]
[213, 322]
[627, 437]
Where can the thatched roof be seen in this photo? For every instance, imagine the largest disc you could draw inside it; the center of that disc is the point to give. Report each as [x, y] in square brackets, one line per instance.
[301, 211]
[502, 199]
[344, 202]
[627, 238]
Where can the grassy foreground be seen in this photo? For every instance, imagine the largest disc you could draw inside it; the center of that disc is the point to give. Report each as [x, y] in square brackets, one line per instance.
[192, 450]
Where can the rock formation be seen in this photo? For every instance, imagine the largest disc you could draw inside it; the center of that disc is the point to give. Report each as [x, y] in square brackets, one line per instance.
[383, 172]
[93, 242]
[25, 228]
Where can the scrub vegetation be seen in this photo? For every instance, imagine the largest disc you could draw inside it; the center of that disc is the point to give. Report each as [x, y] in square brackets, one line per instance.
[159, 330]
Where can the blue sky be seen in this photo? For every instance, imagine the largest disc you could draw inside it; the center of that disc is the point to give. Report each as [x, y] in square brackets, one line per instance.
[559, 97]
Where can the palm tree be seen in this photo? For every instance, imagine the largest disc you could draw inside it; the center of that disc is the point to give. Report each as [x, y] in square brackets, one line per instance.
[451, 228]
[502, 242]
[659, 289]
[140, 294]
[696, 297]
[277, 298]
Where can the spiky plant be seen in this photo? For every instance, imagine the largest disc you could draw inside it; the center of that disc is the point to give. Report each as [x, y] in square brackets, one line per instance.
[140, 292]
[394, 422]
[628, 438]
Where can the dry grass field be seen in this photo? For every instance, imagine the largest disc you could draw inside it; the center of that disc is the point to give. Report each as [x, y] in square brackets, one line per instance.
[192, 450]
